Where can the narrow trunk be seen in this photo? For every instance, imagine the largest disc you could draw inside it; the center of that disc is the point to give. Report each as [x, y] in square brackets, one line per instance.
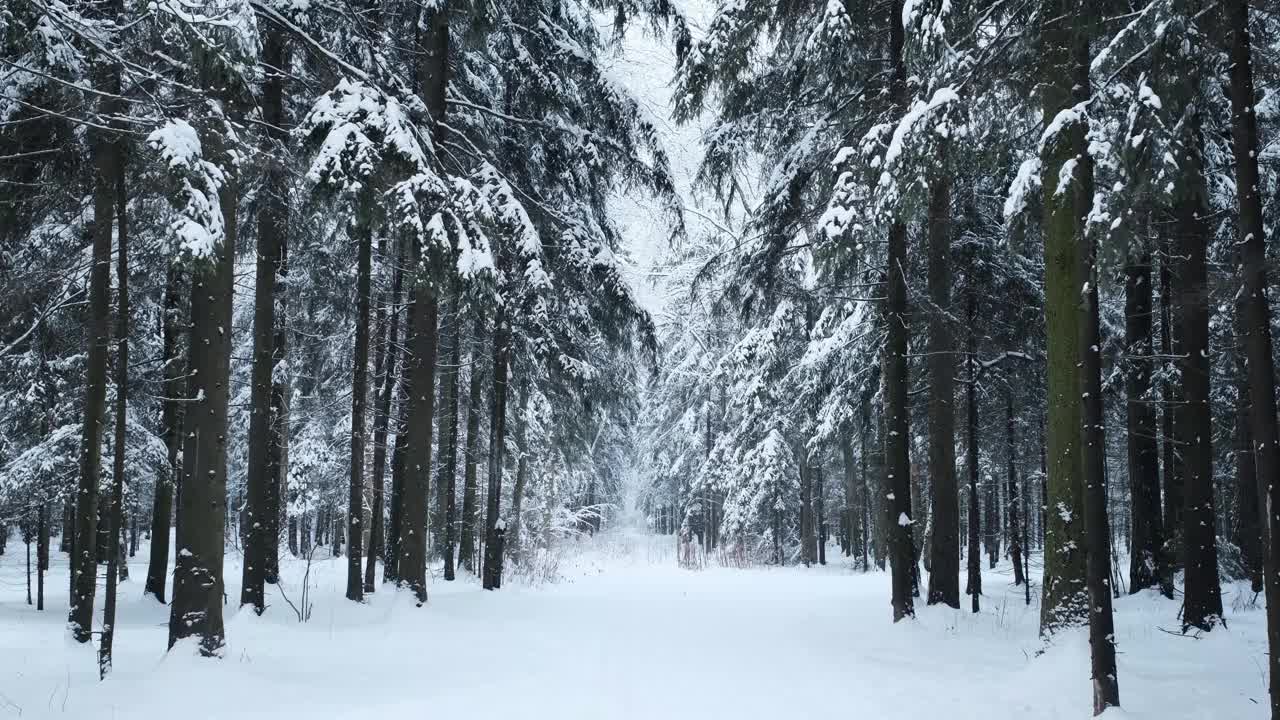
[897, 423]
[944, 568]
[359, 399]
[1106, 688]
[84, 567]
[522, 473]
[974, 556]
[448, 385]
[495, 526]
[1146, 526]
[259, 511]
[115, 513]
[1014, 494]
[381, 419]
[467, 543]
[171, 432]
[1170, 555]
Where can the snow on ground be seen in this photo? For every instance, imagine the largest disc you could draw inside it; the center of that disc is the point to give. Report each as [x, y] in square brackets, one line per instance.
[623, 634]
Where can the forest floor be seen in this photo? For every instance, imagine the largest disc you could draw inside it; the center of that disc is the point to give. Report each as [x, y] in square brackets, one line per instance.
[622, 633]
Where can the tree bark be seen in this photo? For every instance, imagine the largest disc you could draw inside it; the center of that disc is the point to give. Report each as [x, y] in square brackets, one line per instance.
[467, 545]
[171, 422]
[381, 419]
[359, 401]
[1106, 688]
[1147, 529]
[105, 154]
[260, 525]
[1014, 493]
[1171, 480]
[944, 571]
[1202, 594]
[196, 609]
[116, 513]
[495, 526]
[1065, 83]
[897, 421]
[449, 320]
[1256, 317]
[974, 556]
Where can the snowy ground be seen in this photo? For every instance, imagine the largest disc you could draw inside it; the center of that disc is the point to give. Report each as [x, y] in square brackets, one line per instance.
[624, 634]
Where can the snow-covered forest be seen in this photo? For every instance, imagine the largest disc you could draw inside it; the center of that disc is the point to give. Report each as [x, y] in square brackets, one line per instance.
[639, 358]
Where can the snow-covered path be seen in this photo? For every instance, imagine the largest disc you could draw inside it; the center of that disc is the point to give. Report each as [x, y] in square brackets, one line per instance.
[626, 636]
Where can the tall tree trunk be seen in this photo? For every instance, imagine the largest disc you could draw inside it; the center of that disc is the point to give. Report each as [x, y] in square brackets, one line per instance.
[495, 526]
[467, 541]
[1170, 556]
[1202, 595]
[171, 422]
[1247, 529]
[277, 511]
[944, 571]
[1014, 493]
[448, 384]
[260, 525]
[105, 154]
[1147, 528]
[1064, 83]
[359, 399]
[381, 419]
[522, 472]
[391, 559]
[1256, 317]
[420, 398]
[116, 512]
[1106, 688]
[807, 549]
[897, 421]
[974, 556]
[196, 609]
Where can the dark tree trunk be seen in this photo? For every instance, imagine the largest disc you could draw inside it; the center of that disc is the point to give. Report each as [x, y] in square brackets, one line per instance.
[1106, 688]
[196, 609]
[171, 420]
[259, 516]
[1247, 529]
[944, 569]
[381, 419]
[42, 552]
[277, 509]
[1065, 83]
[807, 549]
[106, 159]
[974, 556]
[420, 397]
[115, 513]
[522, 474]
[449, 322]
[495, 526]
[897, 423]
[1014, 494]
[1147, 528]
[1256, 316]
[467, 542]
[391, 560]
[1202, 598]
[359, 400]
[1170, 555]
